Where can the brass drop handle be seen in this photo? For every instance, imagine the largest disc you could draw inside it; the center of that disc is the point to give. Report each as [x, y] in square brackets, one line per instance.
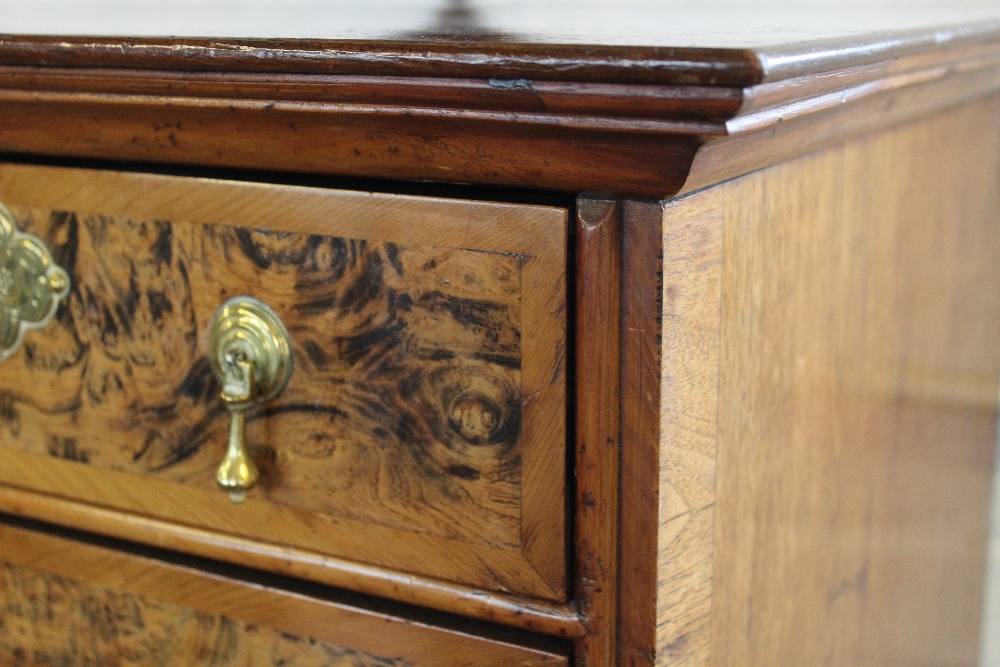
[31, 284]
[250, 353]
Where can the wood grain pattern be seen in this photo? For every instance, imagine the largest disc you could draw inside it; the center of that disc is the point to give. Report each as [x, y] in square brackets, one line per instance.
[598, 316]
[692, 270]
[847, 109]
[627, 120]
[67, 602]
[858, 399]
[52, 620]
[407, 410]
[642, 288]
[348, 140]
[409, 56]
[558, 620]
[405, 394]
[601, 99]
[725, 43]
[845, 448]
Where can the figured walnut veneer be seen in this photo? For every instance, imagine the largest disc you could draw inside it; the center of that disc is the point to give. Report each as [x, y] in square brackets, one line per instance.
[69, 602]
[54, 620]
[771, 329]
[419, 358]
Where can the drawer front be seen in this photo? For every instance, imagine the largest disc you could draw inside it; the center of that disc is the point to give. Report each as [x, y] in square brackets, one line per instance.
[69, 603]
[422, 429]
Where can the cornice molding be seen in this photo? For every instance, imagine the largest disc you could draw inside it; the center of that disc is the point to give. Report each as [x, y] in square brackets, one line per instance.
[613, 120]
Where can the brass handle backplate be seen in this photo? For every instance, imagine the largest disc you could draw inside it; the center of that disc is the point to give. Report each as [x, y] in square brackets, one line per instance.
[31, 284]
[250, 353]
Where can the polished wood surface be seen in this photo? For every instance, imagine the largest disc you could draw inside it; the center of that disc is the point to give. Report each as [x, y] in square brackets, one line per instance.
[753, 404]
[441, 144]
[56, 620]
[824, 498]
[794, 117]
[539, 616]
[692, 269]
[642, 276]
[417, 431]
[598, 308]
[68, 602]
[645, 121]
[532, 27]
[858, 433]
[410, 56]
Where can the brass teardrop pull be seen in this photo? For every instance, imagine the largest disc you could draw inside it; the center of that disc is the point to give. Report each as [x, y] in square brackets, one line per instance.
[31, 284]
[250, 353]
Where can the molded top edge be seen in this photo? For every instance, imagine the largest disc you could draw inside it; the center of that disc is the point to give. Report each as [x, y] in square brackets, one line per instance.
[498, 56]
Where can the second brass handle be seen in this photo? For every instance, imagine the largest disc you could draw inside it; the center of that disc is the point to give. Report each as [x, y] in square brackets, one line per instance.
[250, 353]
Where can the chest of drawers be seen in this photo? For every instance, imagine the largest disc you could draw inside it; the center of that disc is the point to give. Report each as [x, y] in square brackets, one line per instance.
[603, 347]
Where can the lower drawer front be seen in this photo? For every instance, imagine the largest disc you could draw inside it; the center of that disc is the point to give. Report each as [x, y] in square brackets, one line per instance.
[64, 602]
[423, 425]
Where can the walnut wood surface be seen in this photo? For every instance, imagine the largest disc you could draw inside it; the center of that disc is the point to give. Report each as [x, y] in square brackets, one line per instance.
[628, 120]
[598, 322]
[67, 602]
[713, 41]
[692, 270]
[642, 288]
[53, 620]
[396, 143]
[824, 497]
[530, 614]
[417, 431]
[784, 120]
[501, 59]
[794, 519]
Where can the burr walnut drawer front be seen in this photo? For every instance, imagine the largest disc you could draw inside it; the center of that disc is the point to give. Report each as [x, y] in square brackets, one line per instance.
[422, 428]
[72, 603]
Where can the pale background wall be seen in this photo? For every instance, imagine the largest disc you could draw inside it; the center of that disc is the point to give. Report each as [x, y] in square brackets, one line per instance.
[373, 18]
[692, 22]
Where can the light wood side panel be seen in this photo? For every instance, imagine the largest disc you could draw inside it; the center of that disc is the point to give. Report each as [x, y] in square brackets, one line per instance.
[861, 334]
[848, 468]
[423, 428]
[692, 270]
[67, 602]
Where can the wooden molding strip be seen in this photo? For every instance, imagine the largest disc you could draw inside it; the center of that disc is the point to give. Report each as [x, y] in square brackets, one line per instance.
[471, 59]
[639, 499]
[788, 132]
[537, 616]
[399, 114]
[154, 611]
[559, 98]
[640, 122]
[488, 58]
[768, 104]
[824, 55]
[598, 308]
